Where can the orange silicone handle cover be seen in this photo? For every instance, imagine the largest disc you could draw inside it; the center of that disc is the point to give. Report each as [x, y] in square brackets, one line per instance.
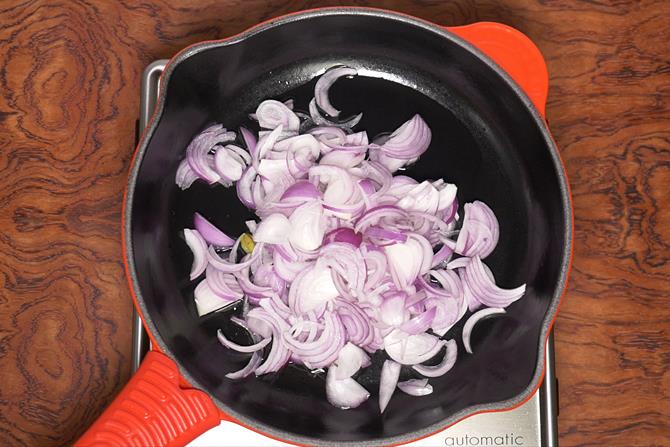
[515, 53]
[153, 410]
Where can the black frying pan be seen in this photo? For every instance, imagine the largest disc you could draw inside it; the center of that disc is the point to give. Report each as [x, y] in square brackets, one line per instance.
[488, 138]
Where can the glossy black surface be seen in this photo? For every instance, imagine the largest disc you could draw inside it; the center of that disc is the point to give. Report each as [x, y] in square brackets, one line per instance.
[484, 139]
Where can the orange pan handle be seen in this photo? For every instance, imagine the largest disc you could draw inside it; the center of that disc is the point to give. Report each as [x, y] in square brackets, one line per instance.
[515, 53]
[153, 410]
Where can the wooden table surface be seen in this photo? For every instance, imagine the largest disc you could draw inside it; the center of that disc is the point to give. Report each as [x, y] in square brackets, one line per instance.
[69, 97]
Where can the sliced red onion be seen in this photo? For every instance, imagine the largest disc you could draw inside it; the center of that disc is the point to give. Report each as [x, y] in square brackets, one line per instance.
[274, 229]
[350, 359]
[230, 267]
[308, 226]
[211, 233]
[224, 285]
[480, 232]
[239, 348]
[320, 120]
[343, 249]
[323, 85]
[249, 369]
[374, 215]
[185, 176]
[345, 393]
[447, 200]
[393, 311]
[250, 140]
[356, 322]
[416, 387]
[267, 141]
[408, 141]
[474, 319]
[387, 383]
[300, 192]
[272, 114]
[423, 197]
[279, 354]
[458, 263]
[343, 234]
[409, 260]
[244, 192]
[323, 351]
[420, 323]
[447, 362]
[409, 349]
[198, 247]
[443, 255]
[342, 159]
[228, 164]
[197, 152]
[312, 289]
[480, 283]
[206, 301]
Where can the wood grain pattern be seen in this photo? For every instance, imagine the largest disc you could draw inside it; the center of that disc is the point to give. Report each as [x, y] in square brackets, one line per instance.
[69, 84]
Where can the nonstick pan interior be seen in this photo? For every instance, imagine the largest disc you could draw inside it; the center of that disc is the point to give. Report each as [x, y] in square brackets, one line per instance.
[486, 139]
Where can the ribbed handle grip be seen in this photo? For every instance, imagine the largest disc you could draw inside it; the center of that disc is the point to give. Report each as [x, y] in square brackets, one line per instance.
[153, 410]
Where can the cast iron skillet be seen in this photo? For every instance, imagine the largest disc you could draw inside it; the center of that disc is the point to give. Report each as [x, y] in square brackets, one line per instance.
[488, 137]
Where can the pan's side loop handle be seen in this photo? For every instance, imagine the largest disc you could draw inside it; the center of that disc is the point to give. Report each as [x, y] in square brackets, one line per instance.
[514, 52]
[153, 410]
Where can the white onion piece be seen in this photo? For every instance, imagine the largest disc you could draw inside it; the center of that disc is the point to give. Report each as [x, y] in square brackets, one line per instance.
[423, 197]
[409, 349]
[308, 226]
[474, 318]
[311, 289]
[393, 311]
[206, 301]
[387, 383]
[272, 114]
[350, 359]
[198, 247]
[323, 85]
[416, 387]
[445, 364]
[344, 393]
[274, 229]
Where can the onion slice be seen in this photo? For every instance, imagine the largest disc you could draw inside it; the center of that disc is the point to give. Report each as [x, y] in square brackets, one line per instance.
[345, 393]
[387, 383]
[323, 85]
[474, 318]
[445, 364]
[416, 387]
[211, 233]
[198, 247]
[239, 348]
